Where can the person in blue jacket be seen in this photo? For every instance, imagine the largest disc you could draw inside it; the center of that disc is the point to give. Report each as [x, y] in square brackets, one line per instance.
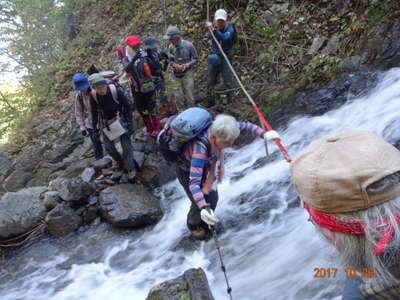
[225, 34]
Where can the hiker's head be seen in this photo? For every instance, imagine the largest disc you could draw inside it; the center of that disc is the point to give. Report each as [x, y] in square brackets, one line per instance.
[174, 35]
[98, 83]
[220, 18]
[80, 82]
[133, 42]
[350, 185]
[150, 43]
[224, 131]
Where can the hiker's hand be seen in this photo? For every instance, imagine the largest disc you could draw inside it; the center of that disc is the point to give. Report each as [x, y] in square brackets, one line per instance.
[84, 132]
[177, 67]
[207, 216]
[209, 25]
[184, 67]
[271, 135]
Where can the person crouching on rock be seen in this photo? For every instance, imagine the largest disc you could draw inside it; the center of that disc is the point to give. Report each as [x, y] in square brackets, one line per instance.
[112, 113]
[205, 166]
[349, 183]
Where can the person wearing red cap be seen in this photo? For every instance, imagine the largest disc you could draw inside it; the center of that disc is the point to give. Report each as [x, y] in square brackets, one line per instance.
[349, 184]
[142, 85]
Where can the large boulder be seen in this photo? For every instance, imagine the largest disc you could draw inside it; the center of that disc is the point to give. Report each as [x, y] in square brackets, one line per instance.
[62, 220]
[129, 206]
[75, 191]
[191, 285]
[21, 211]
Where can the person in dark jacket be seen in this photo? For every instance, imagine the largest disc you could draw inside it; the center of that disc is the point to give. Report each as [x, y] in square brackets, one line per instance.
[158, 62]
[349, 184]
[110, 105]
[225, 34]
[136, 65]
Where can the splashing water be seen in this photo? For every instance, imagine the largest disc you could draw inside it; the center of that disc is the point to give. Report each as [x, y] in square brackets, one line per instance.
[269, 249]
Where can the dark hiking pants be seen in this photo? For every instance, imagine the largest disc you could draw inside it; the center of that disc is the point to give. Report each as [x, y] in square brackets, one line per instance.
[227, 77]
[126, 161]
[193, 218]
[95, 138]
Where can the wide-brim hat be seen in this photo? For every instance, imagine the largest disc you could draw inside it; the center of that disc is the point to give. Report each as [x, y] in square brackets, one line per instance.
[334, 173]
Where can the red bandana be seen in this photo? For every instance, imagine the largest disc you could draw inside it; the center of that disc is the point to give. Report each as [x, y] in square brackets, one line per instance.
[350, 226]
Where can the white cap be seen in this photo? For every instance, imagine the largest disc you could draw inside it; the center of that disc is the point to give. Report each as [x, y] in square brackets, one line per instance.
[221, 14]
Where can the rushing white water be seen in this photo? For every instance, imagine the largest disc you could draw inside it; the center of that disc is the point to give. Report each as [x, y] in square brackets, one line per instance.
[269, 248]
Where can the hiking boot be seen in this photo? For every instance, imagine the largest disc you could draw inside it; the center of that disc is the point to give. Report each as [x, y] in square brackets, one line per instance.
[199, 233]
[131, 175]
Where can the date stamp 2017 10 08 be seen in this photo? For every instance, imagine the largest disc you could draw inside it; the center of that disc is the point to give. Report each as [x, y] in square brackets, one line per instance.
[324, 273]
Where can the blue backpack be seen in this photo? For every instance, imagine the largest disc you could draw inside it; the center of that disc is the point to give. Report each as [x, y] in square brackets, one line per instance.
[181, 129]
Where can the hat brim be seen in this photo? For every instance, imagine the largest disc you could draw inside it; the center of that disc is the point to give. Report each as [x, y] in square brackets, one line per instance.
[152, 46]
[81, 86]
[101, 82]
[221, 18]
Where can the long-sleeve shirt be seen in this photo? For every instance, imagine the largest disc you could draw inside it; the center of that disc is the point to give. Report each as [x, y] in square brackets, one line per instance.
[109, 108]
[83, 114]
[225, 37]
[200, 160]
[184, 53]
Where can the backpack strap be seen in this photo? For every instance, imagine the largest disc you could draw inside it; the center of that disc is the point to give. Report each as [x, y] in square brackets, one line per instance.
[114, 92]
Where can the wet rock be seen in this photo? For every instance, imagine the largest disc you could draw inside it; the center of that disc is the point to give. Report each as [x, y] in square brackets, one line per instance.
[103, 163]
[51, 199]
[129, 206]
[21, 211]
[62, 220]
[90, 214]
[156, 171]
[56, 183]
[192, 285]
[76, 191]
[88, 174]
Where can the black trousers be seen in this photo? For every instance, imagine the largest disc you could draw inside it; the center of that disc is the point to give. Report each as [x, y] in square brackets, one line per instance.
[145, 103]
[94, 135]
[193, 217]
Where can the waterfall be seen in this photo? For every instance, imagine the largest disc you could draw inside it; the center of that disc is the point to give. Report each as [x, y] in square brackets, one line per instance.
[270, 249]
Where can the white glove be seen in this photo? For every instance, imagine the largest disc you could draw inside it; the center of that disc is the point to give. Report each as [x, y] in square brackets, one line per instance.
[208, 216]
[271, 135]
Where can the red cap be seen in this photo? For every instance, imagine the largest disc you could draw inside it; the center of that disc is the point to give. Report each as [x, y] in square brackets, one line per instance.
[132, 40]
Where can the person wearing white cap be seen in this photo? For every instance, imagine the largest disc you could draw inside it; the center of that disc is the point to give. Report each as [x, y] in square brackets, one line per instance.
[349, 184]
[225, 34]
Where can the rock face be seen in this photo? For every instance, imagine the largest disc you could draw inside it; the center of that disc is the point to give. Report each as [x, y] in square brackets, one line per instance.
[62, 220]
[75, 191]
[21, 211]
[191, 285]
[129, 206]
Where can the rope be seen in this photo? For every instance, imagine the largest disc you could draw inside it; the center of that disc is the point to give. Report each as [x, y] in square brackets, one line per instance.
[263, 121]
[16, 241]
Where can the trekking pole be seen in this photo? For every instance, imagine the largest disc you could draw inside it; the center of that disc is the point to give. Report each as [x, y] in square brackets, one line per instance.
[263, 121]
[215, 237]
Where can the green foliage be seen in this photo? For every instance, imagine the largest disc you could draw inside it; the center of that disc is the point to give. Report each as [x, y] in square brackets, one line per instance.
[183, 288]
[15, 108]
[321, 68]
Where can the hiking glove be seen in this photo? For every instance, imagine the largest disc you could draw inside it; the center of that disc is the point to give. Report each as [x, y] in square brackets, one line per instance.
[207, 216]
[271, 135]
[84, 132]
